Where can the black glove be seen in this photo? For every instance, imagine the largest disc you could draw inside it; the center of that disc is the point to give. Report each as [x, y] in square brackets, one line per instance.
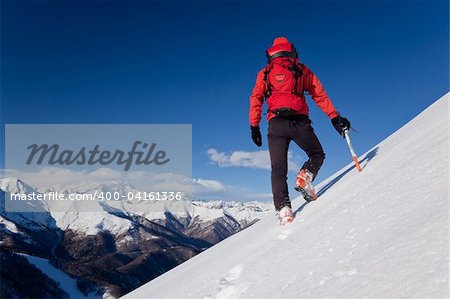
[341, 124]
[256, 135]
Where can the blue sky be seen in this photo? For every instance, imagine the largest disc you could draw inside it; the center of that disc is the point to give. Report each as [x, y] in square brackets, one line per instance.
[195, 62]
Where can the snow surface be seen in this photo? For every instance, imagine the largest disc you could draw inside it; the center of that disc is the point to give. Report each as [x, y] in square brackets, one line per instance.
[66, 283]
[381, 233]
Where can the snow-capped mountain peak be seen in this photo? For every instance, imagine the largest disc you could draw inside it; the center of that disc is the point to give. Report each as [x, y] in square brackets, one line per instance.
[15, 185]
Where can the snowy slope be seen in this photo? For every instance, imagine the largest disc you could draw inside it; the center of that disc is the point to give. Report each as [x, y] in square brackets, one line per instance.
[382, 233]
[67, 283]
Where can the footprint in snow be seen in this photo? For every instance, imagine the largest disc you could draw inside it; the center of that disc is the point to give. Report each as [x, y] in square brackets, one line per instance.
[233, 274]
[284, 234]
[228, 287]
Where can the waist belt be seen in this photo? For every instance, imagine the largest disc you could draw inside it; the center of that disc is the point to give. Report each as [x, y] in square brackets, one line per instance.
[289, 114]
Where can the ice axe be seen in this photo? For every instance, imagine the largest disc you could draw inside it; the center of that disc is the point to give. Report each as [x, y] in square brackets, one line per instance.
[352, 151]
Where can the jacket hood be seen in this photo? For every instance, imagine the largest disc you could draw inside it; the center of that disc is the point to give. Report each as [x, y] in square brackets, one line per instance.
[280, 40]
[281, 47]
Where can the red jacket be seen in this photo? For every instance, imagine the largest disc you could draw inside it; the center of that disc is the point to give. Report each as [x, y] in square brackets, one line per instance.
[308, 81]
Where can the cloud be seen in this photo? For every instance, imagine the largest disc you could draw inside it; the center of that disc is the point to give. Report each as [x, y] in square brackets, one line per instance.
[56, 178]
[258, 159]
[207, 189]
[208, 185]
[62, 176]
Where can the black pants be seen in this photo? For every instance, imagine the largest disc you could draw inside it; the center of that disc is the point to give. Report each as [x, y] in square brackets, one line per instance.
[281, 132]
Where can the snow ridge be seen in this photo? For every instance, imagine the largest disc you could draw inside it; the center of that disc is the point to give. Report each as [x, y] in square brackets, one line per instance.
[381, 233]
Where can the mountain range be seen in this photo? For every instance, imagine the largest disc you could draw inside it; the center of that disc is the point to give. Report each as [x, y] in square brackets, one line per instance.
[111, 250]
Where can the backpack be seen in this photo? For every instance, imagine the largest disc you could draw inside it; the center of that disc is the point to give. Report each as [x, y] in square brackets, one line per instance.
[282, 75]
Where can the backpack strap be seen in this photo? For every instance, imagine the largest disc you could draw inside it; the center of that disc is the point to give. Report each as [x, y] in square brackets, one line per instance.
[297, 72]
[268, 91]
[283, 50]
[280, 54]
